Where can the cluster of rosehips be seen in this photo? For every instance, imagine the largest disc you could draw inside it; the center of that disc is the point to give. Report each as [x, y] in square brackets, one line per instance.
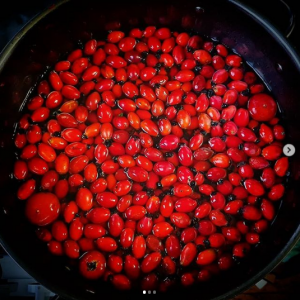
[151, 158]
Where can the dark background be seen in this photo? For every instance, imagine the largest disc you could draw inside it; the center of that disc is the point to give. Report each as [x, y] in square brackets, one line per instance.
[16, 14]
